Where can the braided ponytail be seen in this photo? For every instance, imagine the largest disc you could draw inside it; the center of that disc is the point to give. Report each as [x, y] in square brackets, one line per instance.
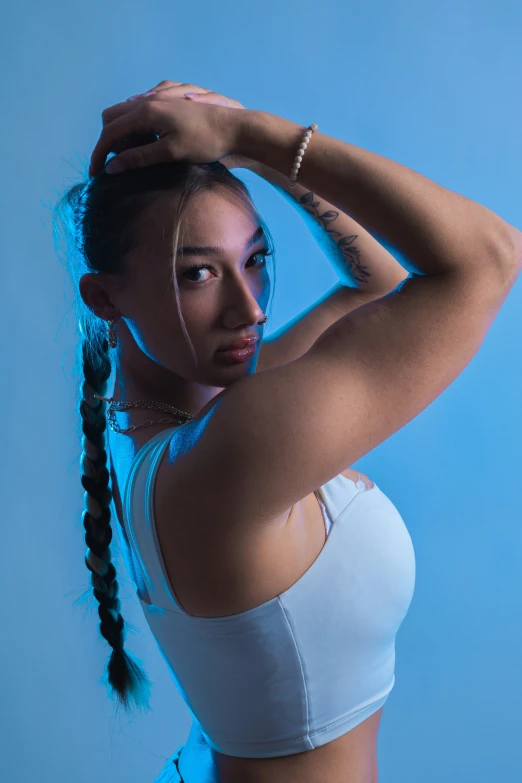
[124, 675]
[96, 226]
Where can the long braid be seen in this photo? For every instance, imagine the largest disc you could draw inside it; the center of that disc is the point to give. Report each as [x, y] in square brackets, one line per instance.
[124, 675]
[98, 221]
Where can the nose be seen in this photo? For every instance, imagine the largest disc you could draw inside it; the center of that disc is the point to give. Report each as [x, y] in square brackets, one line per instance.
[243, 307]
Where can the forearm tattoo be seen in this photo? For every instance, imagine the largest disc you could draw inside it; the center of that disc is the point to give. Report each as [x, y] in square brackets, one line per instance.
[345, 244]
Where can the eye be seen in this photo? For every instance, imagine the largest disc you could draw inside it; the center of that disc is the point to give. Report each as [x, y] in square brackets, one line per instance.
[193, 270]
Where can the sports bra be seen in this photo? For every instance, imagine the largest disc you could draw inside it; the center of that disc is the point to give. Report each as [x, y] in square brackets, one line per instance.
[300, 669]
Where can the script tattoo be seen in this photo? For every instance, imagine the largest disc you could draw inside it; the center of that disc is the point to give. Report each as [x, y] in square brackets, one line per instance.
[345, 244]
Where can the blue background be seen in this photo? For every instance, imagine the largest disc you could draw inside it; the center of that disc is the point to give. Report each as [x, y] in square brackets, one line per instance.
[435, 86]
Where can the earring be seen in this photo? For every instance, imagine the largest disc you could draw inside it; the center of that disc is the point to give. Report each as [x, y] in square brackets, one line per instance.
[111, 334]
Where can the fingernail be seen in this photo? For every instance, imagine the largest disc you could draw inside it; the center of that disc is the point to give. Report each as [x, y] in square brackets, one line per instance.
[133, 97]
[150, 92]
[115, 166]
[191, 95]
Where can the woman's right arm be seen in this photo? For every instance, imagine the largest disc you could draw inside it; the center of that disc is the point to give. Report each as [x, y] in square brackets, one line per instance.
[435, 229]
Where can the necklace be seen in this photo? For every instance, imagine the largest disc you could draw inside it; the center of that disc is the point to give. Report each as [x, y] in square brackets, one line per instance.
[118, 405]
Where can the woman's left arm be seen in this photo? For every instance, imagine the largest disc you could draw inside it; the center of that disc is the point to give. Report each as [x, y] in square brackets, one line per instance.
[366, 269]
[360, 260]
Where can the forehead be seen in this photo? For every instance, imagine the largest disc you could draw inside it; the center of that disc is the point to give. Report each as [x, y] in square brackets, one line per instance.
[213, 217]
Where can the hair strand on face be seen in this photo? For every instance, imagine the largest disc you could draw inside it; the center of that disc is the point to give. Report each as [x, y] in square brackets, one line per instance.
[96, 219]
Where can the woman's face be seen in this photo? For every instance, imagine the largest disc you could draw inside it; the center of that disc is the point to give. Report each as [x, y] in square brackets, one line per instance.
[220, 303]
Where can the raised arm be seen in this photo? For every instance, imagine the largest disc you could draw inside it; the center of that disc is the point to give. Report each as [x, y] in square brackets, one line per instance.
[359, 260]
[366, 269]
[273, 437]
[435, 229]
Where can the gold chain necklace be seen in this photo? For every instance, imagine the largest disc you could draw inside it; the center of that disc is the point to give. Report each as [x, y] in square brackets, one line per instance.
[118, 405]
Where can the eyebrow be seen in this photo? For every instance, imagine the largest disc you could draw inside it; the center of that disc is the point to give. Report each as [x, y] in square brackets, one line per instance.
[210, 250]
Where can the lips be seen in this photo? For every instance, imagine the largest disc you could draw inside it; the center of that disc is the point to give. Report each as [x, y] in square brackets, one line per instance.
[238, 344]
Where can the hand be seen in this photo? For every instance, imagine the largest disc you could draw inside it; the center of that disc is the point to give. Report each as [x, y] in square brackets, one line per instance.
[162, 127]
[202, 95]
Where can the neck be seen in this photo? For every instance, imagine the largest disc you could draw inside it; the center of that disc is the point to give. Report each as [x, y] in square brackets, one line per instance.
[189, 398]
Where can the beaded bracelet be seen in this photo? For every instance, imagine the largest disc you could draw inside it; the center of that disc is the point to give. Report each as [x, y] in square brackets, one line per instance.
[300, 152]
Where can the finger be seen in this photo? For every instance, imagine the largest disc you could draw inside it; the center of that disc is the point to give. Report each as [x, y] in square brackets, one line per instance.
[112, 112]
[166, 84]
[179, 87]
[133, 141]
[141, 157]
[210, 97]
[136, 121]
[218, 99]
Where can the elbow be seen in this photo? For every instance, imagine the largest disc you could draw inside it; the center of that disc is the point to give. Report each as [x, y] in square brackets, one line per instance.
[515, 240]
[510, 253]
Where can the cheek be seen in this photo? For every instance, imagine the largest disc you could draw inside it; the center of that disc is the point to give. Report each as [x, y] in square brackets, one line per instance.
[199, 311]
[197, 319]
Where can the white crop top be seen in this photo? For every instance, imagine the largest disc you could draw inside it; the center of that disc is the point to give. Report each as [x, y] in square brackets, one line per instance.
[305, 667]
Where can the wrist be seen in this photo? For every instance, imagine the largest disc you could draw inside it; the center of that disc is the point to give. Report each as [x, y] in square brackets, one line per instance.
[268, 140]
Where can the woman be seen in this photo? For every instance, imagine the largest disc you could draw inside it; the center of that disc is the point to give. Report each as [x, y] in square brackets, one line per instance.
[273, 578]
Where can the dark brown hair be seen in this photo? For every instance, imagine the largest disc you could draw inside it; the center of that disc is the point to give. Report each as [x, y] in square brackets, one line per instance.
[94, 228]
